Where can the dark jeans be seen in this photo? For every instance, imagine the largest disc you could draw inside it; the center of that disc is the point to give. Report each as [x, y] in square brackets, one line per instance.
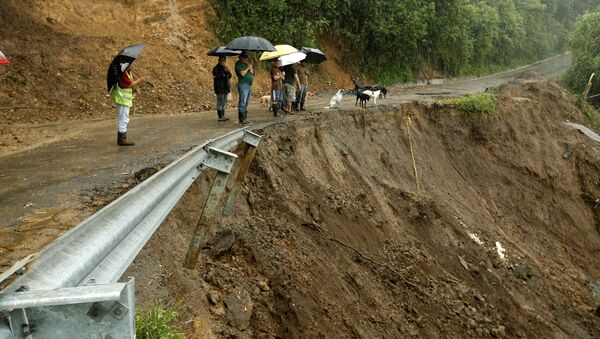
[301, 98]
[244, 91]
[221, 101]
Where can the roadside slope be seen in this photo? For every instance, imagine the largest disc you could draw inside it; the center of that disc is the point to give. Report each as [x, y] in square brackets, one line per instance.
[333, 239]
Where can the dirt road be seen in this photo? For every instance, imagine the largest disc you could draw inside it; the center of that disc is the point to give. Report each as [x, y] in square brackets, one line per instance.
[60, 173]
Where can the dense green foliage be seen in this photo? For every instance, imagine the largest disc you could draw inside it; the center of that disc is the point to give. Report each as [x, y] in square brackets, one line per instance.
[392, 39]
[156, 322]
[584, 45]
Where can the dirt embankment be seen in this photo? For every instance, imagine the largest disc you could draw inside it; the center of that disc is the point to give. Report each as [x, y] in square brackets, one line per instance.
[332, 238]
[60, 52]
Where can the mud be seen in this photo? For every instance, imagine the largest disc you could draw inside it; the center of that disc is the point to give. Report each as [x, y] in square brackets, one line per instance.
[333, 237]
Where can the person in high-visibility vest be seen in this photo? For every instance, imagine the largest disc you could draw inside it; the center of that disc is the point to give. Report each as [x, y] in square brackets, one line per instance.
[123, 95]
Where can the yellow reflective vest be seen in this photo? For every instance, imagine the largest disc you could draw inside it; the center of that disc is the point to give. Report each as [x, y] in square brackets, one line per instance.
[123, 96]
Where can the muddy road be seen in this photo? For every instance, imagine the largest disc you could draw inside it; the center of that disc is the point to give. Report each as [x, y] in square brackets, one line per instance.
[58, 174]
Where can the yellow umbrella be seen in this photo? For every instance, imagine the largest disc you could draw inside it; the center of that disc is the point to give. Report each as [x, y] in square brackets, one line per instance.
[279, 51]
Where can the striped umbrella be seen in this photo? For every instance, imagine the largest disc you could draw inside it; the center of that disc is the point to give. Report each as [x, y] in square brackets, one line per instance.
[3, 59]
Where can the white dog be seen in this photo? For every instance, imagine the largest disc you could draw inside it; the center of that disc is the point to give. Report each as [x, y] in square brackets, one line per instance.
[336, 100]
[265, 100]
[373, 95]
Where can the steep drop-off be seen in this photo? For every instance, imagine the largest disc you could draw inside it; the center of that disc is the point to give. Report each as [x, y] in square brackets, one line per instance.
[333, 238]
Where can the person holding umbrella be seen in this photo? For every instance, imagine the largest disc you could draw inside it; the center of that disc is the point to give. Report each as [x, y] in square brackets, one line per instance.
[290, 83]
[121, 82]
[244, 69]
[221, 76]
[303, 74]
[277, 77]
[123, 96]
[245, 74]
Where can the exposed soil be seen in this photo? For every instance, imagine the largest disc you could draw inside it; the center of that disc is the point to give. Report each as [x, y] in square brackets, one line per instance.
[60, 52]
[333, 237]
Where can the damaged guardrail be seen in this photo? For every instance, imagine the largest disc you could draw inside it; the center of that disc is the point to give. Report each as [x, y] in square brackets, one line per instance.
[70, 291]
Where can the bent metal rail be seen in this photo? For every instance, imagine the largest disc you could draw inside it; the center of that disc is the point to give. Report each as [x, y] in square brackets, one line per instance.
[70, 290]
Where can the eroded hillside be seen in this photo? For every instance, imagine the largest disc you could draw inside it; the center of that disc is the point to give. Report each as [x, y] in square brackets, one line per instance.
[332, 237]
[61, 49]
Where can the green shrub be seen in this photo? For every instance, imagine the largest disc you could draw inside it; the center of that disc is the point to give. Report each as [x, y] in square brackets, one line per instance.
[592, 114]
[156, 322]
[586, 56]
[482, 103]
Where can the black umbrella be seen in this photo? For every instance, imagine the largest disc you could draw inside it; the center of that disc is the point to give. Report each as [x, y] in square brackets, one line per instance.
[313, 55]
[120, 63]
[251, 43]
[223, 51]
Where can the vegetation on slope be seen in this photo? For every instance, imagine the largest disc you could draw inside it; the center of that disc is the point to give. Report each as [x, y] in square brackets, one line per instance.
[157, 322]
[583, 43]
[586, 55]
[390, 40]
[482, 103]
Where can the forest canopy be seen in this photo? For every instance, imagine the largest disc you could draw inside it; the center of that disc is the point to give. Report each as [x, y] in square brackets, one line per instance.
[391, 40]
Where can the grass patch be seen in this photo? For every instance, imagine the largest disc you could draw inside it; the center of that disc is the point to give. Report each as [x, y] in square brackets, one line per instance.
[156, 322]
[593, 117]
[591, 113]
[482, 103]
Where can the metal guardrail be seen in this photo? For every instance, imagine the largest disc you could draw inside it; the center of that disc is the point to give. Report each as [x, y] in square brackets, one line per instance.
[86, 260]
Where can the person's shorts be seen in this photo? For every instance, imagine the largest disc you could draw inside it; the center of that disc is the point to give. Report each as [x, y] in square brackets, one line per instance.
[290, 92]
[277, 95]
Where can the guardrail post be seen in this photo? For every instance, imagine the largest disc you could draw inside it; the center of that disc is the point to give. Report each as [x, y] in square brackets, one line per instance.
[251, 141]
[223, 162]
[91, 311]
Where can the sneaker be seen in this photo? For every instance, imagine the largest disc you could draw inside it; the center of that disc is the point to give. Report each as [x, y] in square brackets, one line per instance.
[245, 122]
[223, 119]
[291, 112]
[303, 109]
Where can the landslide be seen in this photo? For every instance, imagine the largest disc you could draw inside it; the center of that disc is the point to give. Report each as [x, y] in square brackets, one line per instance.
[60, 51]
[331, 237]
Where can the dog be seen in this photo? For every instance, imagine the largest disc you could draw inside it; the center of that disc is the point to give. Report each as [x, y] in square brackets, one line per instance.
[382, 89]
[336, 100]
[363, 98]
[372, 94]
[359, 91]
[265, 100]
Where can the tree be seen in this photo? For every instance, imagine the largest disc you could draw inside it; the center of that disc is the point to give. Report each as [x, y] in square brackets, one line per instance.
[391, 40]
[584, 42]
[449, 46]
